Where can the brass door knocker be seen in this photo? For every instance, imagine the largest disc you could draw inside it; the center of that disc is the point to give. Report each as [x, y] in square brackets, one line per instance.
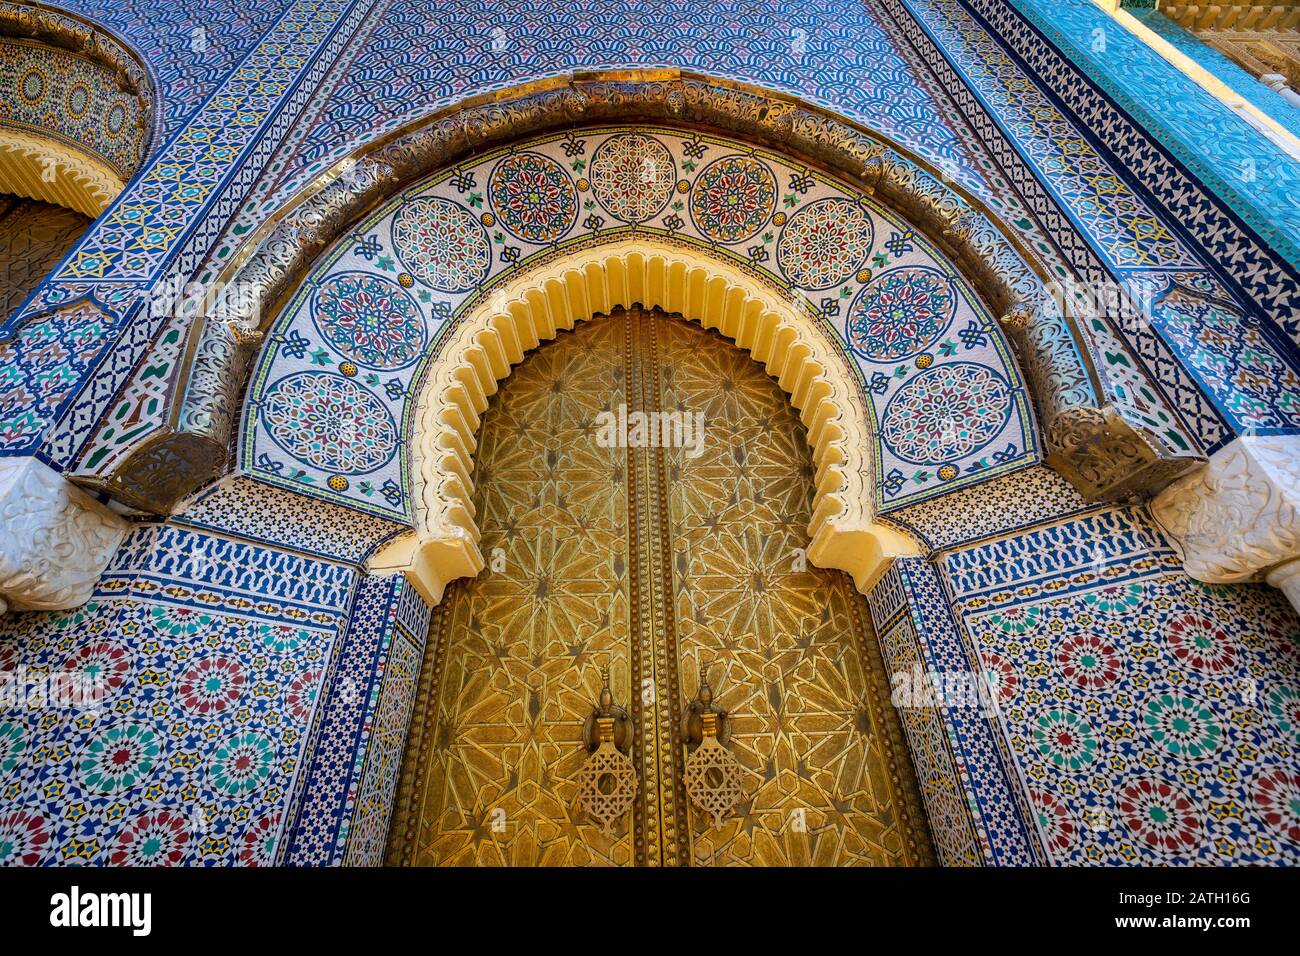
[713, 774]
[607, 781]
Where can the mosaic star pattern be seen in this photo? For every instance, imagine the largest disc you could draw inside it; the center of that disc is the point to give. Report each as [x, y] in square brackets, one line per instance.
[1152, 716]
[207, 658]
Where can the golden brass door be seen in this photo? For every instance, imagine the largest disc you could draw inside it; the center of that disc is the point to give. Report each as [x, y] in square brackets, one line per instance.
[648, 563]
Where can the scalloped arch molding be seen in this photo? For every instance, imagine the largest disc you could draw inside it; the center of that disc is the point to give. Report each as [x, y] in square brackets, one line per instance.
[531, 308]
[376, 370]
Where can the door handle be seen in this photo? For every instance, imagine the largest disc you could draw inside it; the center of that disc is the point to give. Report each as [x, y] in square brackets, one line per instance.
[713, 774]
[607, 781]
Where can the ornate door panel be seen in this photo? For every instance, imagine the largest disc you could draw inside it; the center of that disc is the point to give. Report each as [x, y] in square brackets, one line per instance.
[653, 563]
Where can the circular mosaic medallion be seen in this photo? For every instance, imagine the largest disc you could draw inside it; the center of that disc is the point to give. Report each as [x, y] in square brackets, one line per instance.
[282, 638]
[103, 665]
[1284, 705]
[1055, 818]
[733, 198]
[633, 177]
[1114, 598]
[1000, 678]
[257, 845]
[242, 764]
[301, 696]
[119, 758]
[1276, 796]
[1159, 815]
[370, 319]
[1199, 643]
[442, 244]
[1017, 620]
[32, 85]
[329, 422]
[901, 312]
[115, 119]
[534, 198]
[1065, 739]
[24, 838]
[211, 686]
[78, 99]
[13, 741]
[1182, 727]
[945, 413]
[155, 838]
[1088, 662]
[825, 243]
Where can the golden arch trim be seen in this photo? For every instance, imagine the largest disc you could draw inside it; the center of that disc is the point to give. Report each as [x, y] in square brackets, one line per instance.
[534, 306]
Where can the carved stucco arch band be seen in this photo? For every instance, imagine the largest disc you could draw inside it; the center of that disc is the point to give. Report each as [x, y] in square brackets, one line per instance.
[39, 167]
[530, 309]
[1091, 443]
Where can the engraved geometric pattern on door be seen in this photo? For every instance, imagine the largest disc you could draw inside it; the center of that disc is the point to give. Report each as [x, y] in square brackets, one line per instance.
[651, 562]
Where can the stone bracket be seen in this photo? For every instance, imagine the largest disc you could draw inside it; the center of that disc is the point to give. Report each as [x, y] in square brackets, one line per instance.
[1238, 518]
[55, 540]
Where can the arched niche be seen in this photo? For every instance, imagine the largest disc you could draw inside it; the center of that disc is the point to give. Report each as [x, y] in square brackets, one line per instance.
[82, 112]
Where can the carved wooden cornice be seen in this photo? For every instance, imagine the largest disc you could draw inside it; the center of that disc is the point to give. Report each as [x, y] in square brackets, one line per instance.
[1258, 16]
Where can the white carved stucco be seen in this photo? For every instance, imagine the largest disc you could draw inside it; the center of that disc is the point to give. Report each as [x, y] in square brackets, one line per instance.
[55, 540]
[1238, 518]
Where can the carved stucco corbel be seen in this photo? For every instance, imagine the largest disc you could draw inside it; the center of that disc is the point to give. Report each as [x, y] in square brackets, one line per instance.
[55, 540]
[1099, 450]
[1238, 518]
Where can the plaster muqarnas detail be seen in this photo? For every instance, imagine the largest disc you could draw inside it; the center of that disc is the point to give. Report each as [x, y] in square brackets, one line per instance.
[333, 394]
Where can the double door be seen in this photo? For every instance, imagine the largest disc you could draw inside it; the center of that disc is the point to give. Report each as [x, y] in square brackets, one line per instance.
[647, 568]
